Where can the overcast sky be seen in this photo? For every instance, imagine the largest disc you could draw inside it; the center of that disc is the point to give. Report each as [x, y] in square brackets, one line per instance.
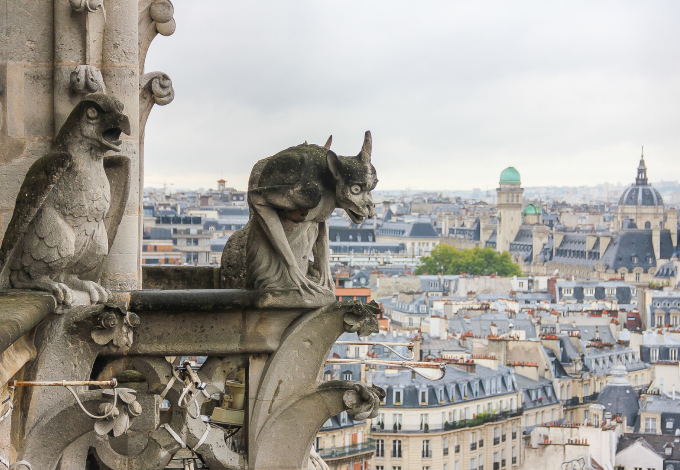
[452, 91]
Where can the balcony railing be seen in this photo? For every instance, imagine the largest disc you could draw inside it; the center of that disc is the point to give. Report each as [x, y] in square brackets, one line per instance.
[590, 398]
[496, 466]
[446, 451]
[473, 446]
[514, 460]
[481, 443]
[573, 401]
[503, 463]
[503, 438]
[328, 453]
[497, 440]
[456, 449]
[427, 454]
[482, 419]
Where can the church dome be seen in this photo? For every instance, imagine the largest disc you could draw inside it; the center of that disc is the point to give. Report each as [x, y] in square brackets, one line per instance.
[532, 209]
[641, 193]
[510, 176]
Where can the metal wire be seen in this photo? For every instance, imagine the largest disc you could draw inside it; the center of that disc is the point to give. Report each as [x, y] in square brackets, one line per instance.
[388, 345]
[408, 365]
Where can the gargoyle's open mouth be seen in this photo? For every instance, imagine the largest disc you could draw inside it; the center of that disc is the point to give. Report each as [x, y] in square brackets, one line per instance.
[112, 135]
[356, 218]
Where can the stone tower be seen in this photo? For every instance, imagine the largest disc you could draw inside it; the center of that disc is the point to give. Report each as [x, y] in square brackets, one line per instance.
[509, 196]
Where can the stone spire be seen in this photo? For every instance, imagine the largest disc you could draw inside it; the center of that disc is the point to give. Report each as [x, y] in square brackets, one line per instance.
[641, 179]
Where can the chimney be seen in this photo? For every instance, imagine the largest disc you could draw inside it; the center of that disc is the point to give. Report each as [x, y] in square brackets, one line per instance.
[656, 242]
[551, 287]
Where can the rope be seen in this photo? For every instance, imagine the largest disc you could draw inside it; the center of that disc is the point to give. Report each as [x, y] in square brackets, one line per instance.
[75, 395]
[184, 445]
[16, 465]
[175, 436]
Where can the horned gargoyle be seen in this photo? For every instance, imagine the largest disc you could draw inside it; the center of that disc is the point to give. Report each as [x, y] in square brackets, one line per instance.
[291, 195]
[66, 215]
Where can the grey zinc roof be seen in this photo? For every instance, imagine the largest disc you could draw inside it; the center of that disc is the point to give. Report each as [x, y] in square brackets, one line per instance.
[641, 195]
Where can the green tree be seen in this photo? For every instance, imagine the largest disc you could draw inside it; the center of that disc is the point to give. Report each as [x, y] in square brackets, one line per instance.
[446, 259]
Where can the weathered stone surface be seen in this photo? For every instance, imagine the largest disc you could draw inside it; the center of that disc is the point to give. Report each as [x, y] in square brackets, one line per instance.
[58, 233]
[20, 312]
[180, 277]
[291, 195]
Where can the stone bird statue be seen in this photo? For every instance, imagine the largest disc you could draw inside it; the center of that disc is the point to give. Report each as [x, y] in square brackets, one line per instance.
[66, 213]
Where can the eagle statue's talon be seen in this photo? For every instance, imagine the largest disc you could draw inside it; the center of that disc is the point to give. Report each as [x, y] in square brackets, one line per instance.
[97, 293]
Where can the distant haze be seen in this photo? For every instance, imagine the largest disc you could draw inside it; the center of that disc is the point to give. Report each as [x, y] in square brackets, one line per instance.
[453, 91]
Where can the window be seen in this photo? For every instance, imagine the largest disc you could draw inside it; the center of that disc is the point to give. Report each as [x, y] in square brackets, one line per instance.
[637, 277]
[380, 448]
[514, 455]
[446, 446]
[673, 354]
[669, 424]
[396, 468]
[441, 396]
[473, 441]
[473, 464]
[317, 443]
[347, 375]
[567, 291]
[610, 291]
[589, 291]
[514, 430]
[654, 354]
[650, 425]
[379, 467]
[396, 421]
[343, 418]
[496, 436]
[397, 397]
[496, 461]
[424, 422]
[427, 453]
[481, 462]
[423, 397]
[503, 458]
[396, 448]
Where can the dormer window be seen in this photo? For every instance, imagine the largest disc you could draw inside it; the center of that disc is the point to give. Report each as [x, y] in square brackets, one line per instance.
[635, 259]
[423, 309]
[397, 397]
[423, 397]
[590, 291]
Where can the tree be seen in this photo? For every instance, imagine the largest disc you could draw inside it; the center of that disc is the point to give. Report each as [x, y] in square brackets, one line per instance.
[446, 259]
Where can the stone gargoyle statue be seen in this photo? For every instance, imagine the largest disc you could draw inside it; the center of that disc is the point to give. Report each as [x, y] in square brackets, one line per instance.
[291, 196]
[66, 213]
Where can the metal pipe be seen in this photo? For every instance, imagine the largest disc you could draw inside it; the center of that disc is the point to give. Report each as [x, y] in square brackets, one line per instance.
[64, 383]
[381, 343]
[424, 365]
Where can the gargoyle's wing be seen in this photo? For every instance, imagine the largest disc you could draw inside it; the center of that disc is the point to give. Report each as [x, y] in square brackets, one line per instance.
[39, 182]
[117, 169]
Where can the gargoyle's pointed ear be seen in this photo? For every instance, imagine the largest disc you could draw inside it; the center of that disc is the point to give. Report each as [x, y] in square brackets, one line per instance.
[327, 145]
[365, 154]
[333, 164]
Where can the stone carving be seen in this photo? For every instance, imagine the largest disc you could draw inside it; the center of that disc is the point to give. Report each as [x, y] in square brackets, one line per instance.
[117, 413]
[291, 195]
[155, 17]
[361, 319]
[115, 325]
[89, 5]
[363, 401]
[87, 79]
[66, 215]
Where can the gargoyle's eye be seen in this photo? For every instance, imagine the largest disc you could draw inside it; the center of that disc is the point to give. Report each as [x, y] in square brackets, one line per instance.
[92, 113]
[355, 189]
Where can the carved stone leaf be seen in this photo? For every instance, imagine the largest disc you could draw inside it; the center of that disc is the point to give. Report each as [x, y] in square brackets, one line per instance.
[121, 424]
[135, 408]
[103, 426]
[127, 395]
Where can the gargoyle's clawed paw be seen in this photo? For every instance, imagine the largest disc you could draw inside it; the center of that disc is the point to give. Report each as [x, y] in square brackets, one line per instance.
[98, 294]
[63, 293]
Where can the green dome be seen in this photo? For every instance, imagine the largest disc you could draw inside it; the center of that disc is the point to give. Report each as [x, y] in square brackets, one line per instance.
[510, 176]
[532, 209]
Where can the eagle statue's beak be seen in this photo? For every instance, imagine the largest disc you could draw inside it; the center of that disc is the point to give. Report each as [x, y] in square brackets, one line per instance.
[114, 124]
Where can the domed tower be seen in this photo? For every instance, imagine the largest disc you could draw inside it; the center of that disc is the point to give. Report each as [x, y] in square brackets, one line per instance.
[509, 196]
[640, 203]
